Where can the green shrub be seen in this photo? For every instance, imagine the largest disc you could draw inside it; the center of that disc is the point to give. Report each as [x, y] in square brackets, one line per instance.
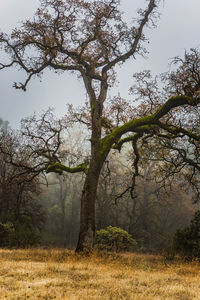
[187, 240]
[114, 239]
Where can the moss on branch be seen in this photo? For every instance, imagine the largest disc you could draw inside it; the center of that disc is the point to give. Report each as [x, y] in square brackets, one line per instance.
[60, 168]
[173, 102]
[177, 130]
[132, 138]
[143, 124]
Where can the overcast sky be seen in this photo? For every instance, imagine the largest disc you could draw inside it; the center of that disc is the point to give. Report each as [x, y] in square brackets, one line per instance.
[178, 29]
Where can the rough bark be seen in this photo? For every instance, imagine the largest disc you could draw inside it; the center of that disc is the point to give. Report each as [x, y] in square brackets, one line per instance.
[87, 217]
[88, 199]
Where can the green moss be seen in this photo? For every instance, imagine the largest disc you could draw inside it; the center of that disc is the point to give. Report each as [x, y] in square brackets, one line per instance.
[177, 130]
[84, 168]
[93, 106]
[59, 168]
[143, 124]
[172, 102]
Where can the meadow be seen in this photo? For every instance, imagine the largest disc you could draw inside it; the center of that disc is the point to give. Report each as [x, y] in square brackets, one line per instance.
[62, 274]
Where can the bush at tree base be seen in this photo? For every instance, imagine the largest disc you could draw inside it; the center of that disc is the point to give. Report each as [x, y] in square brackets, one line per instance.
[187, 240]
[114, 239]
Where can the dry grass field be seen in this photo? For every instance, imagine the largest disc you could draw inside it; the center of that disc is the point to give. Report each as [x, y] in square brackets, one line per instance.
[61, 274]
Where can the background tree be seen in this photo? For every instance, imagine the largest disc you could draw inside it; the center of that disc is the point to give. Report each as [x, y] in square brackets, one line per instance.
[187, 240]
[54, 233]
[91, 38]
[151, 214]
[21, 213]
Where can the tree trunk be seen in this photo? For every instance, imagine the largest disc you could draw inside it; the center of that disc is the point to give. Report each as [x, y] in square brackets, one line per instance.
[88, 199]
[87, 215]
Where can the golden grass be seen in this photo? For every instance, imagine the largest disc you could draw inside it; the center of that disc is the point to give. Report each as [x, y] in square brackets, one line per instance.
[61, 274]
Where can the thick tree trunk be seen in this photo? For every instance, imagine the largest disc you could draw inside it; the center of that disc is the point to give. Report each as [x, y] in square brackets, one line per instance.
[88, 199]
[87, 215]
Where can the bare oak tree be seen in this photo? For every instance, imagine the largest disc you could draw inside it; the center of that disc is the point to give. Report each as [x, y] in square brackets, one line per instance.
[90, 38]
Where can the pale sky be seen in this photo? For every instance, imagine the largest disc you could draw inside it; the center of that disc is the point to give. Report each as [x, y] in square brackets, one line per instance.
[177, 31]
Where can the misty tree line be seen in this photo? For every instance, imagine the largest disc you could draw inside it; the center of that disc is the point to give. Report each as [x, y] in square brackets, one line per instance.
[45, 210]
